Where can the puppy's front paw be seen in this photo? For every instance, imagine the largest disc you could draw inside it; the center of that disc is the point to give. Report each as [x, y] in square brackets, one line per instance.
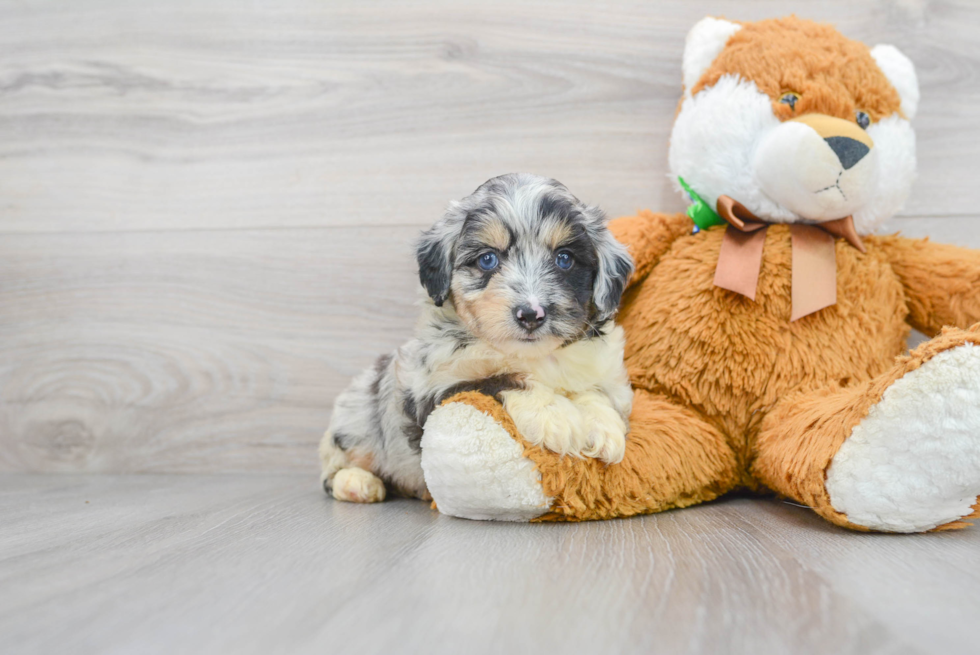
[546, 419]
[358, 486]
[604, 427]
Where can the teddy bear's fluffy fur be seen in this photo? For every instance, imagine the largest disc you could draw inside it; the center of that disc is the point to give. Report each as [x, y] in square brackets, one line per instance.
[729, 393]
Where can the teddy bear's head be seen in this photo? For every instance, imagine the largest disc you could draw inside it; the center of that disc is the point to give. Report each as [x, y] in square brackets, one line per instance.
[795, 122]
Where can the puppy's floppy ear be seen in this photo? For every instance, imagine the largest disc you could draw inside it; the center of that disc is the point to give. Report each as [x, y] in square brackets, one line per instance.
[614, 267]
[435, 255]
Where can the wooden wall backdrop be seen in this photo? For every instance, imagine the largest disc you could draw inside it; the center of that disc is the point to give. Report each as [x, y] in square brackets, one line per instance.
[206, 207]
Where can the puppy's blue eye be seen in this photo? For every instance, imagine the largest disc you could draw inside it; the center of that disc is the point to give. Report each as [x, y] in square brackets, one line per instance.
[488, 261]
[563, 260]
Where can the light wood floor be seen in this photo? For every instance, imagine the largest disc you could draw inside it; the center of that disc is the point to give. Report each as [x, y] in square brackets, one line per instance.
[268, 564]
[206, 217]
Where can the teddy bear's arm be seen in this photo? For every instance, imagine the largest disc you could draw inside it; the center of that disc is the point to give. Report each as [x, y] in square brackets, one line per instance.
[942, 282]
[648, 236]
[478, 466]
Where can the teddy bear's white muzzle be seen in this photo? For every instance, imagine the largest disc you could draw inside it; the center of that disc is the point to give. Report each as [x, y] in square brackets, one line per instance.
[816, 177]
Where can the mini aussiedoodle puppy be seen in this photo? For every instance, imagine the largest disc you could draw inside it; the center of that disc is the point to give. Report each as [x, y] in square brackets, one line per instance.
[523, 281]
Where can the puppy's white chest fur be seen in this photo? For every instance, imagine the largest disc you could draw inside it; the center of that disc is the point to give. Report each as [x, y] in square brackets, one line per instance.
[581, 366]
[576, 400]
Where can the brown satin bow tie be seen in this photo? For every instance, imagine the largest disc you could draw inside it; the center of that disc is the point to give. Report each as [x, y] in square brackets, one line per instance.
[814, 256]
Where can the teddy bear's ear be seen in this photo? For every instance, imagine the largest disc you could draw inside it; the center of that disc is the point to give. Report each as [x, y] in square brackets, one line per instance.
[704, 42]
[901, 73]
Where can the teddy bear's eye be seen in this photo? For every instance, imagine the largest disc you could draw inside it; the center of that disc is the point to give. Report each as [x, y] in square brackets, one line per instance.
[862, 119]
[789, 99]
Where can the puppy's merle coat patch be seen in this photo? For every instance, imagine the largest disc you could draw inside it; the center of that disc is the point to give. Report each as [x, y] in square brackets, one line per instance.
[522, 280]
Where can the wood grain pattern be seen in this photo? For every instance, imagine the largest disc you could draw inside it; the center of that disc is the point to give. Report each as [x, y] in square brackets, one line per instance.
[203, 351]
[122, 116]
[206, 209]
[268, 564]
[191, 351]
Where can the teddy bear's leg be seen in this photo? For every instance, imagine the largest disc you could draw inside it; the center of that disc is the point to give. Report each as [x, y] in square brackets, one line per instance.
[475, 467]
[478, 466]
[899, 453]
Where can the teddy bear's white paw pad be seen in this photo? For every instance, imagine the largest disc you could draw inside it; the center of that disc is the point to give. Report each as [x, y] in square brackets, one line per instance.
[358, 486]
[475, 470]
[913, 463]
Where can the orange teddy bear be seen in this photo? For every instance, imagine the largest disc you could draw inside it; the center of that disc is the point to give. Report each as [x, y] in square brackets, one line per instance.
[765, 337]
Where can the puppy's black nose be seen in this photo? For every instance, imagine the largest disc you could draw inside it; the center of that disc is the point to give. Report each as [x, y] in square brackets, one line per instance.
[530, 318]
[849, 151]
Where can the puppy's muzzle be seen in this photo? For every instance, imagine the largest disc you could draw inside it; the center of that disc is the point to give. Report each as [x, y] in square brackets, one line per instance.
[530, 318]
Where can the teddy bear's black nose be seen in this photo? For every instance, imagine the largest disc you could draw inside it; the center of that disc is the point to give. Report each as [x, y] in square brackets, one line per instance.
[849, 151]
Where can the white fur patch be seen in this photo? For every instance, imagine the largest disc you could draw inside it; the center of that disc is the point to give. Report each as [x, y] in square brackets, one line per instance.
[798, 169]
[714, 140]
[719, 134]
[475, 470]
[703, 44]
[895, 143]
[356, 485]
[901, 73]
[583, 425]
[913, 463]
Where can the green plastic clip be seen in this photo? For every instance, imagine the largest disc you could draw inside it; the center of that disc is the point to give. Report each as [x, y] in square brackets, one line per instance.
[699, 211]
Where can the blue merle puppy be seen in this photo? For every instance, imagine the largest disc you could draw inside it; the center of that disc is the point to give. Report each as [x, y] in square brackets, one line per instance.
[523, 280]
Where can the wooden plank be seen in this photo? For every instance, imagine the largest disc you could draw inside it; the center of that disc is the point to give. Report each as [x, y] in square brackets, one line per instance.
[916, 582]
[191, 351]
[190, 115]
[268, 564]
[203, 351]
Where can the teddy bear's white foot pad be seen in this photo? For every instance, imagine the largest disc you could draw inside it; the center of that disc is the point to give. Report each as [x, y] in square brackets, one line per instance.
[913, 463]
[475, 470]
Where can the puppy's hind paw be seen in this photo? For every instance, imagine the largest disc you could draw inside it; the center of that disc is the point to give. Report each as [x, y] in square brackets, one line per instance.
[356, 485]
